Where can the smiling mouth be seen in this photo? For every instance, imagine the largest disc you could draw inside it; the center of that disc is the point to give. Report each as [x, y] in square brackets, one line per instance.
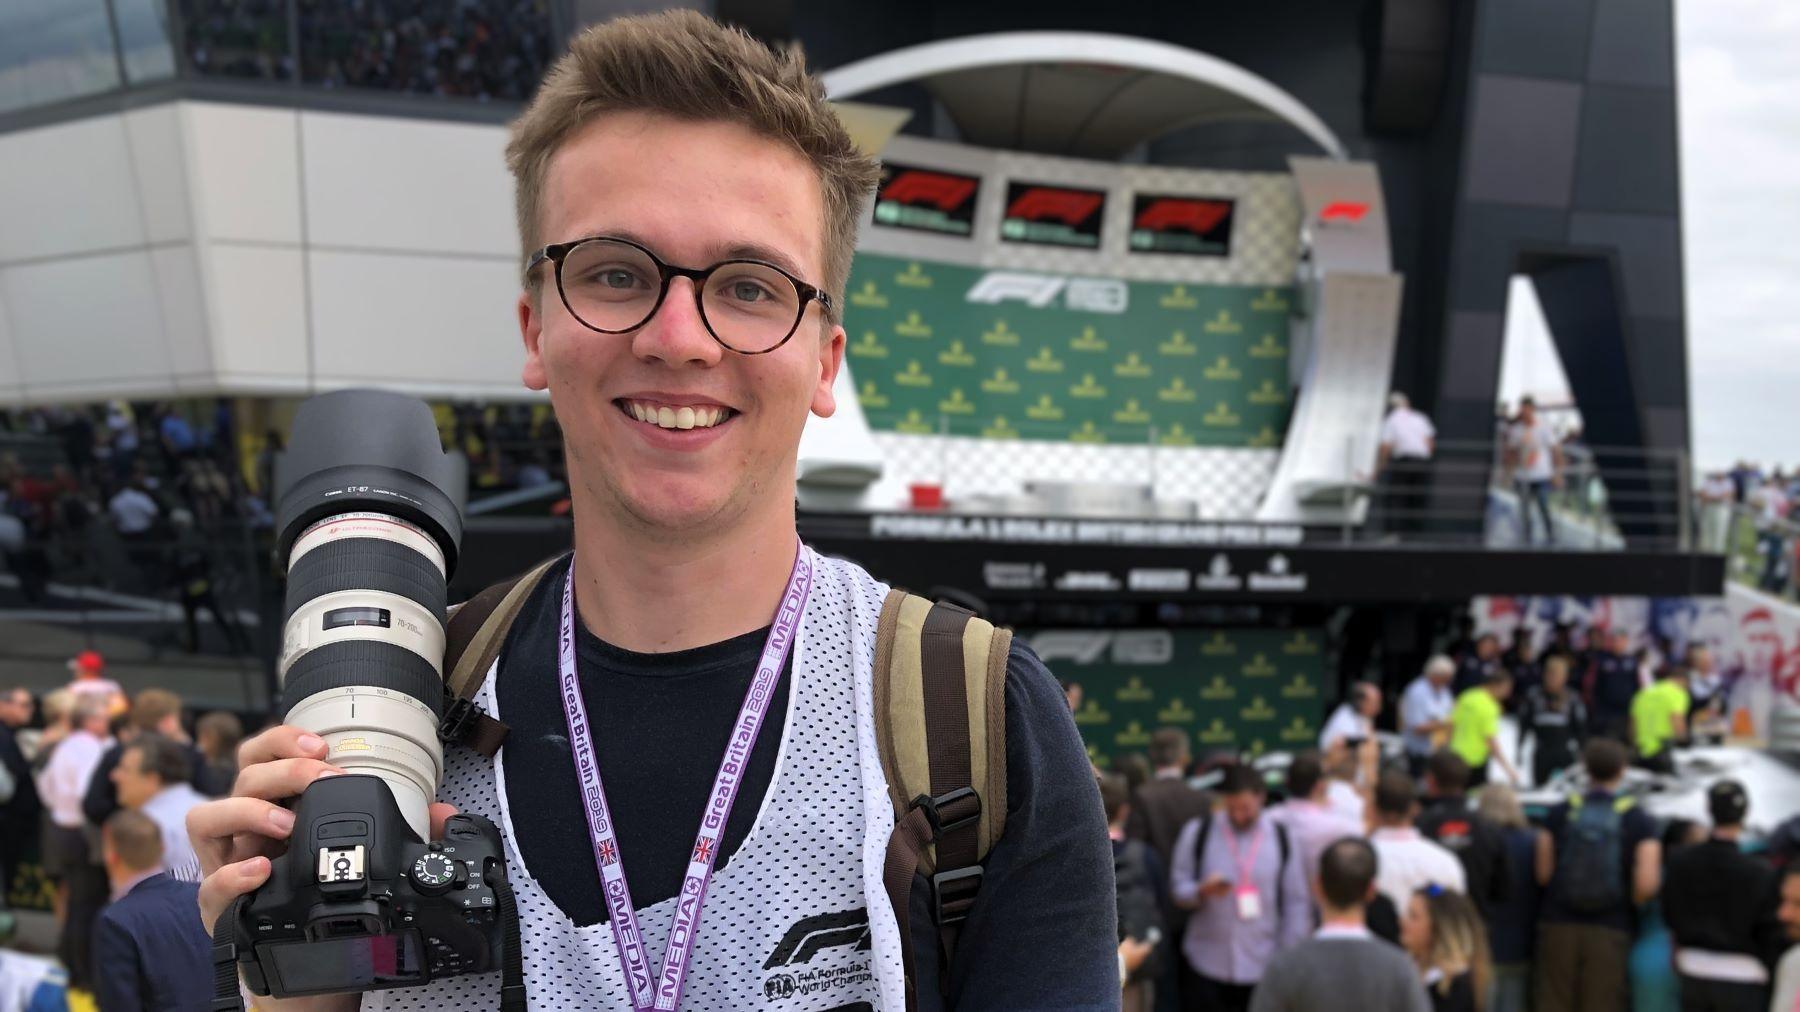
[675, 416]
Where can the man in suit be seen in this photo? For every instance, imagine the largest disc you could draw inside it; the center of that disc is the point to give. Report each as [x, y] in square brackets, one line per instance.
[1167, 801]
[151, 951]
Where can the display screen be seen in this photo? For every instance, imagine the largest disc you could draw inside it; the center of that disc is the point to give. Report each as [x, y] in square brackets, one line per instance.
[337, 618]
[926, 199]
[346, 964]
[1053, 215]
[1168, 223]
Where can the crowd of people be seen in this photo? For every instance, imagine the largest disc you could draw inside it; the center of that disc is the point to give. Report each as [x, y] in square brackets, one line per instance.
[1770, 502]
[96, 789]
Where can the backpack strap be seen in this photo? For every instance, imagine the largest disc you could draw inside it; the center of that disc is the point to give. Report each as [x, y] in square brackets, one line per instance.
[1281, 837]
[940, 729]
[473, 636]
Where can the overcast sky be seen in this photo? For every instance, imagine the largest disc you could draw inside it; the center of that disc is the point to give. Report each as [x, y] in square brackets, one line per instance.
[1739, 72]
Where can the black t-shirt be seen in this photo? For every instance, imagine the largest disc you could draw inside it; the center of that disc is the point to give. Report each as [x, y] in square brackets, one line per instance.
[1042, 932]
[1635, 826]
[1476, 842]
[1615, 683]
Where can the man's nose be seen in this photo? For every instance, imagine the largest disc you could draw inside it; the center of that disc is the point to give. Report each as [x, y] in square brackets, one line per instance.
[677, 334]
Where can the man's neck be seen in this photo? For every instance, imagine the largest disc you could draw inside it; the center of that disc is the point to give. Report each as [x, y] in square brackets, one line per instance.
[661, 595]
[130, 880]
[1171, 772]
[1353, 919]
[1729, 834]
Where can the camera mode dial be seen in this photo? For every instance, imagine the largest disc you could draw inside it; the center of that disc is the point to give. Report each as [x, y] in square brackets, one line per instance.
[433, 873]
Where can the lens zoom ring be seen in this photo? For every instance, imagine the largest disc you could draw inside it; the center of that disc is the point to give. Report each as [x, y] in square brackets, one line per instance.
[363, 662]
[366, 564]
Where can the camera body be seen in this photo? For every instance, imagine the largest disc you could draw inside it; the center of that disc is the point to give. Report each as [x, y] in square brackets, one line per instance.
[359, 903]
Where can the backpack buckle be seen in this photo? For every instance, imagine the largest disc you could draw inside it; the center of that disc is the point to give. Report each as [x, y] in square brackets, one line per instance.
[953, 894]
[940, 807]
[456, 721]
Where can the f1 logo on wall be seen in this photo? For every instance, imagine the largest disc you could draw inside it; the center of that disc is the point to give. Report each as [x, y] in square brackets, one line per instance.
[926, 199]
[1053, 215]
[1167, 223]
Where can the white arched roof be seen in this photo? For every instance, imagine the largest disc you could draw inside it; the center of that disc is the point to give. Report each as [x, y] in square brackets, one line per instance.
[1084, 94]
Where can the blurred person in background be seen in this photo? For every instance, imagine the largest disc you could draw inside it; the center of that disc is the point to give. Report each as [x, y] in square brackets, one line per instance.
[1409, 861]
[1556, 719]
[1512, 920]
[1477, 664]
[1720, 905]
[20, 811]
[1353, 722]
[88, 669]
[1446, 939]
[1771, 502]
[153, 712]
[1787, 972]
[1599, 860]
[1350, 777]
[1342, 965]
[191, 574]
[1425, 712]
[151, 951]
[1659, 721]
[59, 713]
[71, 855]
[1238, 873]
[1706, 689]
[1310, 822]
[217, 735]
[1446, 819]
[1403, 461]
[1167, 802]
[1535, 457]
[1655, 987]
[152, 777]
[1143, 901]
[1475, 727]
[1716, 499]
[1612, 683]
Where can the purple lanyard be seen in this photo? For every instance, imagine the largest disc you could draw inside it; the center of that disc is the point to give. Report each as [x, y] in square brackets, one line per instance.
[620, 912]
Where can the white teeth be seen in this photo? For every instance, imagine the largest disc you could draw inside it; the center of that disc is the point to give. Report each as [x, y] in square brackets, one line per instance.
[665, 417]
[705, 417]
[684, 418]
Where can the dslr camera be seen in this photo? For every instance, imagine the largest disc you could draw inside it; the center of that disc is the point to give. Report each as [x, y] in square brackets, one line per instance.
[370, 520]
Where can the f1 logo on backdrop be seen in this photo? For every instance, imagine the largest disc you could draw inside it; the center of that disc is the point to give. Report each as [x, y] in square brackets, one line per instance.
[1081, 646]
[1093, 295]
[916, 186]
[1071, 207]
[1198, 216]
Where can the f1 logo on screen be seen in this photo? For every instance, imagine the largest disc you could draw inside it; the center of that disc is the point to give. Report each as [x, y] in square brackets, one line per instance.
[913, 186]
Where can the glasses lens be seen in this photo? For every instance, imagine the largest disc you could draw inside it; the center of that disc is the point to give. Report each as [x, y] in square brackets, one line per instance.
[750, 307]
[610, 285]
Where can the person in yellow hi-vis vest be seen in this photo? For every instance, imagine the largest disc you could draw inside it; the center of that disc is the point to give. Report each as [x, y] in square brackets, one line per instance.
[1659, 720]
[1475, 727]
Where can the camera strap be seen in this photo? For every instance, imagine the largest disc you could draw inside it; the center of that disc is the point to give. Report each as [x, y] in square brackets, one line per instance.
[665, 994]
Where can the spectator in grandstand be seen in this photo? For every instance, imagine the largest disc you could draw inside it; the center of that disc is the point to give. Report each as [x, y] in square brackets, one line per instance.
[1143, 901]
[1241, 878]
[1659, 721]
[1409, 861]
[1477, 664]
[1787, 972]
[1445, 937]
[1535, 457]
[217, 735]
[1342, 965]
[1353, 722]
[1512, 920]
[1716, 500]
[153, 777]
[152, 952]
[1475, 727]
[1720, 904]
[69, 859]
[89, 669]
[1612, 682]
[1446, 819]
[1403, 463]
[1311, 823]
[1599, 860]
[154, 712]
[191, 572]
[1425, 712]
[1554, 718]
[1772, 503]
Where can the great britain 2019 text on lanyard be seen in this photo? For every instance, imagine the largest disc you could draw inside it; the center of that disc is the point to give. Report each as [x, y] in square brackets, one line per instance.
[665, 993]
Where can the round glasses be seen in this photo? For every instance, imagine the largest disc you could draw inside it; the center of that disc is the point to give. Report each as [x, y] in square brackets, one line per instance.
[614, 286]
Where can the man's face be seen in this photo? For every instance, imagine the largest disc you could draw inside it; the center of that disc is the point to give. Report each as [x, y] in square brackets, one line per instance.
[1621, 643]
[1487, 648]
[1790, 906]
[134, 785]
[1371, 703]
[1243, 807]
[694, 194]
[15, 709]
[1556, 676]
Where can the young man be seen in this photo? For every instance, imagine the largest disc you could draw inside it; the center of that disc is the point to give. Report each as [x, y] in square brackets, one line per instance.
[1409, 862]
[1167, 801]
[1247, 888]
[1659, 721]
[1535, 456]
[150, 951]
[1720, 904]
[1311, 822]
[1479, 844]
[1342, 965]
[1475, 727]
[1600, 860]
[153, 777]
[1556, 718]
[700, 202]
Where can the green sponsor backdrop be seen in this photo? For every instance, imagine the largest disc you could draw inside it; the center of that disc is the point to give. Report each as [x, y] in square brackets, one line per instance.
[1198, 365]
[1255, 690]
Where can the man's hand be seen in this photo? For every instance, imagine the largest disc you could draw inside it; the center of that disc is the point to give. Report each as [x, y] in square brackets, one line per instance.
[1215, 887]
[1134, 952]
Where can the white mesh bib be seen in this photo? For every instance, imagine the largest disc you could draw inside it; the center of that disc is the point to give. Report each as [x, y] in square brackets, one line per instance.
[799, 920]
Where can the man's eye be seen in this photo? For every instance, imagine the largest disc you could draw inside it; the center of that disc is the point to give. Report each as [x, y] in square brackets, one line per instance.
[748, 291]
[618, 278]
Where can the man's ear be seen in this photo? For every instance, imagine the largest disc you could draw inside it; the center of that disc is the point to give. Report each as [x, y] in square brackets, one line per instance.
[831, 359]
[531, 329]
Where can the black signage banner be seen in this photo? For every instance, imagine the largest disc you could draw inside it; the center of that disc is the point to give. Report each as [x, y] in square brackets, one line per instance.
[929, 200]
[1053, 215]
[1169, 223]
